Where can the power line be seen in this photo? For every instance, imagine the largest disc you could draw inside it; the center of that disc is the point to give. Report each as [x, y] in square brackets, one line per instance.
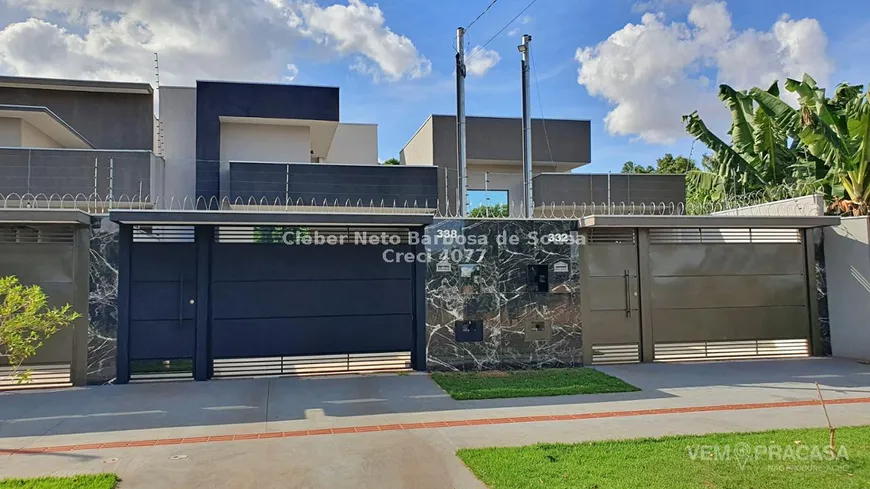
[481, 14]
[500, 30]
[541, 105]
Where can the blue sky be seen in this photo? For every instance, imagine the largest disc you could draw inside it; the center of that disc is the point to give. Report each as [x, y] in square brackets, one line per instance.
[558, 29]
[671, 64]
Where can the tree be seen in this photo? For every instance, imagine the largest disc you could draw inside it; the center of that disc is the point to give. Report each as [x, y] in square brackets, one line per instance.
[495, 210]
[674, 166]
[667, 164]
[632, 167]
[825, 144]
[835, 133]
[392, 162]
[761, 156]
[26, 322]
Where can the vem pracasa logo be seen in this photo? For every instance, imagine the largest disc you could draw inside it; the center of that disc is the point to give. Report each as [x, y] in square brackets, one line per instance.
[744, 453]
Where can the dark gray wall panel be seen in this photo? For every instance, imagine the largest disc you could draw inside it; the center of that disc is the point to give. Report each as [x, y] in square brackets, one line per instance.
[291, 262]
[162, 285]
[311, 336]
[319, 182]
[726, 259]
[71, 172]
[730, 324]
[611, 260]
[173, 337]
[37, 262]
[572, 188]
[237, 300]
[498, 138]
[162, 300]
[107, 120]
[163, 262]
[50, 266]
[728, 291]
[275, 299]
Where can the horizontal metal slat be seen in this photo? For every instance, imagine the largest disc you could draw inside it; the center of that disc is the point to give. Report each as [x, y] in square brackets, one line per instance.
[615, 354]
[731, 350]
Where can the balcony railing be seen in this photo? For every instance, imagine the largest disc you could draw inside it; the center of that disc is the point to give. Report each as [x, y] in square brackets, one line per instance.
[94, 174]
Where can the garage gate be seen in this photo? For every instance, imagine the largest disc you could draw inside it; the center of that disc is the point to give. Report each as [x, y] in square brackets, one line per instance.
[225, 301]
[49, 249]
[688, 293]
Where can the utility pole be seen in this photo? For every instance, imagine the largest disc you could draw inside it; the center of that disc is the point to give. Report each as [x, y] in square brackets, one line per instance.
[461, 174]
[527, 129]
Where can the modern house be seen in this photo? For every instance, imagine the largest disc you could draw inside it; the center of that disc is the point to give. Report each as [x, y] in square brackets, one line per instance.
[495, 167]
[77, 140]
[238, 142]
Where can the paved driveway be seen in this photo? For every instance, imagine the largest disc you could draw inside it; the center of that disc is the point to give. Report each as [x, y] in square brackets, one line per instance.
[680, 398]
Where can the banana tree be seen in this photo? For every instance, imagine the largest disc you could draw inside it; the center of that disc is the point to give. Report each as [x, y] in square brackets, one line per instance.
[835, 134]
[759, 157]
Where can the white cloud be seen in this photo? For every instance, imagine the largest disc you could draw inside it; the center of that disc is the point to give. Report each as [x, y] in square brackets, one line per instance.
[359, 28]
[654, 72]
[291, 73]
[480, 60]
[524, 20]
[196, 39]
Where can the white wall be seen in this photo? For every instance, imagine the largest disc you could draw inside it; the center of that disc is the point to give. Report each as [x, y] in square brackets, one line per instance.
[808, 205]
[265, 143]
[420, 149]
[354, 144]
[32, 137]
[847, 272]
[178, 118]
[10, 132]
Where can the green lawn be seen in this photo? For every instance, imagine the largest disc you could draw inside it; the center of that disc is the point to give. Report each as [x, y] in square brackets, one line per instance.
[99, 481]
[528, 383]
[667, 463]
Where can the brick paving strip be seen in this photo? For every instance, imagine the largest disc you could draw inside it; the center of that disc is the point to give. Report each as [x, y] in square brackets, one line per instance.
[425, 425]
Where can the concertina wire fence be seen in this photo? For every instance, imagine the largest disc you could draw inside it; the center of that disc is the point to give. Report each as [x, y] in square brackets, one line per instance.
[748, 204]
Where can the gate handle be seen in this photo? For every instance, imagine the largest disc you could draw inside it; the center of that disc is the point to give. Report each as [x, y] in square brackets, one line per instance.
[627, 296]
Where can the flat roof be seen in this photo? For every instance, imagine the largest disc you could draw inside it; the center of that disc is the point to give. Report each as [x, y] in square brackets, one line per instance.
[761, 222]
[76, 85]
[48, 122]
[44, 216]
[248, 218]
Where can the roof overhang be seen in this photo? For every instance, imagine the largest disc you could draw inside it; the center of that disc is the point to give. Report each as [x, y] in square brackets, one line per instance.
[240, 218]
[322, 132]
[75, 85]
[43, 119]
[44, 216]
[759, 222]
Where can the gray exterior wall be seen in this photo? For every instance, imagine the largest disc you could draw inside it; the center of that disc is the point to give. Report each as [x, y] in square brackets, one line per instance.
[54, 257]
[498, 138]
[847, 260]
[108, 120]
[576, 188]
[79, 172]
[319, 182]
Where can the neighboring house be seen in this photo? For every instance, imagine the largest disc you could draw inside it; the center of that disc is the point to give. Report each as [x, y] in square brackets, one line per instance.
[242, 141]
[76, 140]
[494, 152]
[215, 144]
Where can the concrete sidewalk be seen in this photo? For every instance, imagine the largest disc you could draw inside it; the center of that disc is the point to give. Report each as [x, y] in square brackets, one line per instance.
[390, 459]
[194, 409]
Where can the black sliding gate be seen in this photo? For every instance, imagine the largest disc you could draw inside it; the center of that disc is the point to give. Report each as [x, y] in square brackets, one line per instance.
[225, 301]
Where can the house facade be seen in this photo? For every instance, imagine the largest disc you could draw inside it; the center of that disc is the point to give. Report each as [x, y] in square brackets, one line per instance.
[559, 148]
[224, 140]
[77, 140]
